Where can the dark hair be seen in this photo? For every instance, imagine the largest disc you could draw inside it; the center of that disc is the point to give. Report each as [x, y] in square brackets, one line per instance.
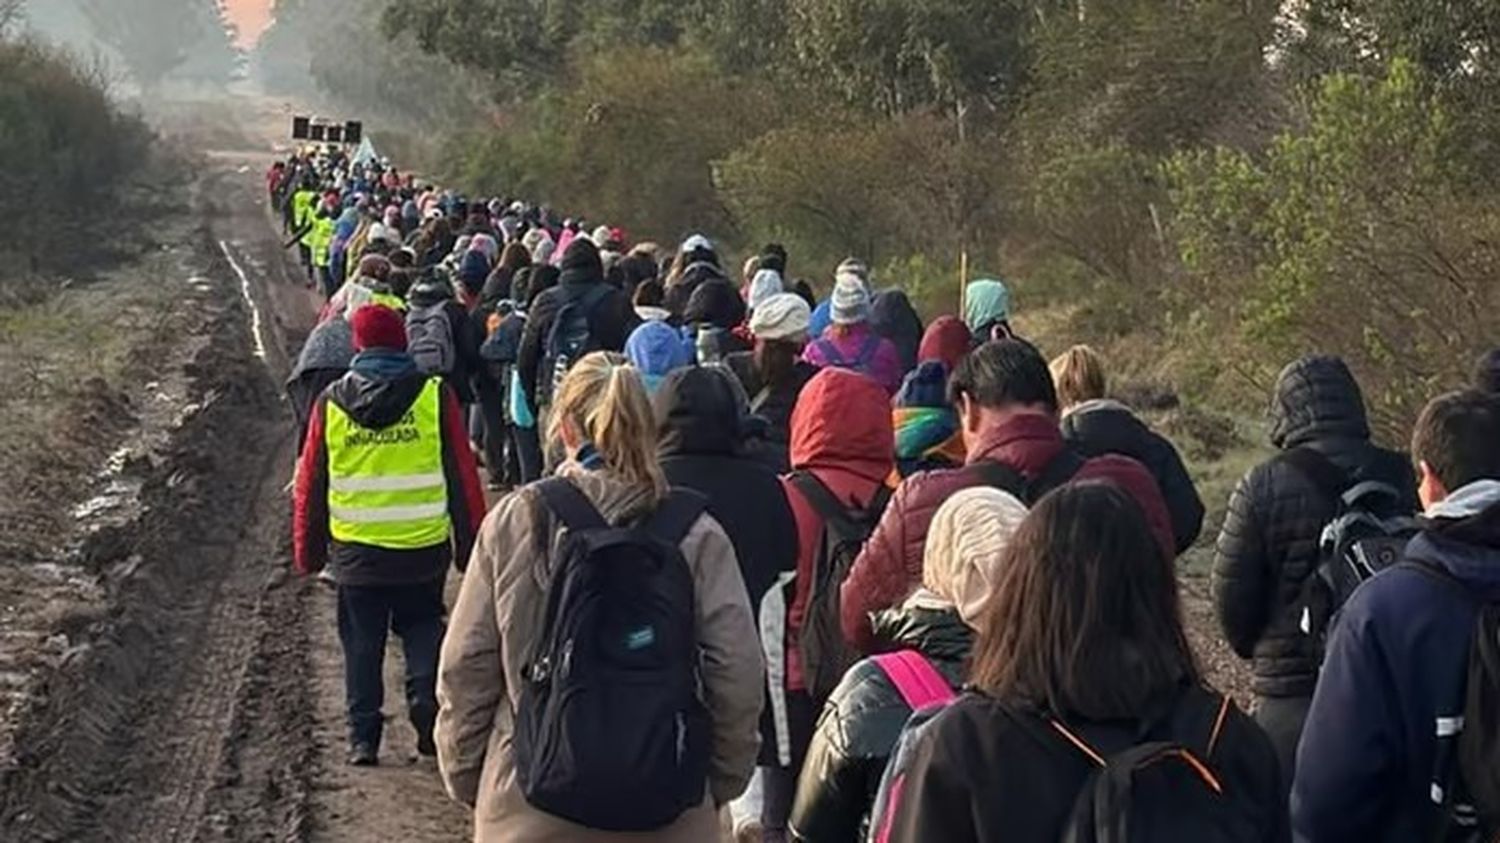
[776, 361]
[1487, 372]
[805, 290]
[649, 294]
[514, 257]
[1004, 373]
[1458, 436]
[520, 286]
[1084, 619]
[773, 256]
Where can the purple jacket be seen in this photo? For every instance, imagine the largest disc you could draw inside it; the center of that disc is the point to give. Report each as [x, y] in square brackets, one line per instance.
[861, 350]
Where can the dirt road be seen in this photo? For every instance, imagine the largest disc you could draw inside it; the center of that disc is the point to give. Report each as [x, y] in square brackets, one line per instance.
[203, 701]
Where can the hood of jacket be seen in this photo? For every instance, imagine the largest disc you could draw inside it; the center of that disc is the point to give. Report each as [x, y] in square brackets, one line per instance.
[1317, 398]
[946, 341]
[377, 401]
[329, 346]
[843, 421]
[936, 633]
[1462, 535]
[698, 412]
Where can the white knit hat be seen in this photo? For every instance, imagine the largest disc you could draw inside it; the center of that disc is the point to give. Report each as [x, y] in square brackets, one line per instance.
[969, 534]
[766, 284]
[851, 300]
[783, 316]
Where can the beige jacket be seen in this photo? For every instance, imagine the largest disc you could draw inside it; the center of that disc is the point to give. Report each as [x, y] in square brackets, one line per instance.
[494, 628]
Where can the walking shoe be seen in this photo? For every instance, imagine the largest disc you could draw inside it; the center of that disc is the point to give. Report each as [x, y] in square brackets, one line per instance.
[426, 746]
[363, 755]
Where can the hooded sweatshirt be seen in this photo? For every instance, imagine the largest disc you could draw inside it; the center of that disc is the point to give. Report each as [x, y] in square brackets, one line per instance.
[1390, 699]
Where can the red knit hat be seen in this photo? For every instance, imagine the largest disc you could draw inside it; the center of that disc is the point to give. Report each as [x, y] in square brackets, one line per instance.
[946, 341]
[377, 326]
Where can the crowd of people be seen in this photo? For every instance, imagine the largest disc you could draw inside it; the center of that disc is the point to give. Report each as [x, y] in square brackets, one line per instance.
[810, 569]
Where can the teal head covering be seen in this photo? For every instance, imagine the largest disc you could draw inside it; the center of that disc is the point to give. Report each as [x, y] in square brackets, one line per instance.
[986, 301]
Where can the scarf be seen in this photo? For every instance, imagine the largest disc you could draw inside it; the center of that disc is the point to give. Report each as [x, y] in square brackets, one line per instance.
[383, 364]
[921, 430]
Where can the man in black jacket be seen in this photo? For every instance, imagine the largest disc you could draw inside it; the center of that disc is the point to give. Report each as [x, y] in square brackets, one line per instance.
[1269, 544]
[610, 315]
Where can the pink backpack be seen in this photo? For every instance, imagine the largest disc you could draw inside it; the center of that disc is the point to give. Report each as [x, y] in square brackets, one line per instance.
[918, 682]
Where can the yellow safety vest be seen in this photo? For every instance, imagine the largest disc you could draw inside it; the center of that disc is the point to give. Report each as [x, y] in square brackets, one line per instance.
[302, 209]
[391, 300]
[322, 240]
[387, 488]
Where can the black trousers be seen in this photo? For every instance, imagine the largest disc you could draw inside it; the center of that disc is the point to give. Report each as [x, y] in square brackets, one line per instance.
[367, 614]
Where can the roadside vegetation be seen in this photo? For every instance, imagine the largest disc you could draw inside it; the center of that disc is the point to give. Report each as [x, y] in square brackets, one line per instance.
[1203, 187]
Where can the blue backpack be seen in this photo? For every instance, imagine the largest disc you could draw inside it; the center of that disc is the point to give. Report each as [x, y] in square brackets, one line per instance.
[610, 731]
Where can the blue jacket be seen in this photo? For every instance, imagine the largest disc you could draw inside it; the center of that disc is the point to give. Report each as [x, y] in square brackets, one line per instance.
[1375, 751]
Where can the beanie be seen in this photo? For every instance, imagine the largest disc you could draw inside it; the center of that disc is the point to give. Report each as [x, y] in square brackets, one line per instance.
[784, 316]
[855, 267]
[946, 340]
[656, 348]
[377, 326]
[965, 545]
[924, 386]
[767, 283]
[851, 300]
[581, 263]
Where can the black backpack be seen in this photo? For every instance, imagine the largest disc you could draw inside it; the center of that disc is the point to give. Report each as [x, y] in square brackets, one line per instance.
[825, 656]
[1467, 772]
[1062, 469]
[570, 338]
[610, 732]
[1369, 532]
[1163, 786]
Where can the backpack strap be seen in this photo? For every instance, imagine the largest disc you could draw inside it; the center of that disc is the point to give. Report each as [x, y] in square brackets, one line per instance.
[570, 505]
[918, 682]
[676, 515]
[867, 350]
[1000, 476]
[830, 353]
[823, 501]
[1061, 469]
[1331, 480]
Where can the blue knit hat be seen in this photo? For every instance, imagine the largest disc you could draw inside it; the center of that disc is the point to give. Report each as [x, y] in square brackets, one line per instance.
[924, 386]
[656, 348]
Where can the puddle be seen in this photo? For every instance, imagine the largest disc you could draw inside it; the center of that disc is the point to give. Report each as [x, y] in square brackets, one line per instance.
[256, 329]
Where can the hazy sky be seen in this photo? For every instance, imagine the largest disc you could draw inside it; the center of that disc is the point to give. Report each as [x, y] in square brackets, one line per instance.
[252, 17]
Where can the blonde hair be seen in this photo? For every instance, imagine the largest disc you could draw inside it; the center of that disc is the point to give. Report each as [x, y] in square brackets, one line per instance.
[1079, 376]
[605, 400]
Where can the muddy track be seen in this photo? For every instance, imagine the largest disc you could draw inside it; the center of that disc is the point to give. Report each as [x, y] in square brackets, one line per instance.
[183, 714]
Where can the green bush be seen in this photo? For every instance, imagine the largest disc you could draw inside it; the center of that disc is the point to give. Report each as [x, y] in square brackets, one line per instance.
[66, 151]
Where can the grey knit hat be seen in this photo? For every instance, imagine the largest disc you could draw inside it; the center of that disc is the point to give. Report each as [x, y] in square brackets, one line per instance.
[851, 300]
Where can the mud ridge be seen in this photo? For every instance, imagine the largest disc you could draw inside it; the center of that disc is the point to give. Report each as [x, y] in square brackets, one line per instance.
[88, 746]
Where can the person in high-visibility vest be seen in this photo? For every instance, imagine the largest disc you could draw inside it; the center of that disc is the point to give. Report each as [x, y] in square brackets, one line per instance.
[387, 495]
[304, 207]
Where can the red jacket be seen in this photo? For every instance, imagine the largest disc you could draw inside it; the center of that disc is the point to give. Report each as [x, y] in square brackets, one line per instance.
[890, 565]
[371, 401]
[841, 433]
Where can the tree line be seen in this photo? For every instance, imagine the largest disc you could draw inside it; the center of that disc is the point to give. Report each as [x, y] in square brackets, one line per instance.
[1216, 183]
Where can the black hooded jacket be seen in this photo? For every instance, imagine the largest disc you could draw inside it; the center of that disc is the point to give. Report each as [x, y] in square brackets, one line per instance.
[701, 421]
[1269, 544]
[611, 319]
[862, 720]
[1096, 428]
[893, 317]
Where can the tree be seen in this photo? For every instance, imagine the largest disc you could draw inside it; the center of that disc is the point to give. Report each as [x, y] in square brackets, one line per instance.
[154, 37]
[1364, 234]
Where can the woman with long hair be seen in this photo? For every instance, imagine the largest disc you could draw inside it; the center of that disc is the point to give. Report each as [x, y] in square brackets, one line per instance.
[1081, 656]
[604, 422]
[773, 374]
